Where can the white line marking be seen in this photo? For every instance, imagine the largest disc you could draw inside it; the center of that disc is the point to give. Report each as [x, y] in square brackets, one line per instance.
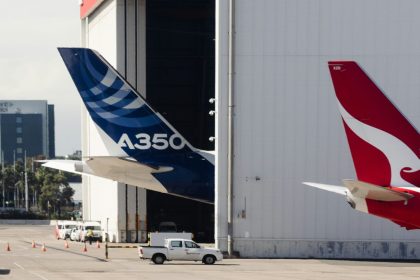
[18, 265]
[40, 276]
[34, 273]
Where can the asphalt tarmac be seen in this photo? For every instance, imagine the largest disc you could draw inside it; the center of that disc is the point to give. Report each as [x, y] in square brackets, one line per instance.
[58, 262]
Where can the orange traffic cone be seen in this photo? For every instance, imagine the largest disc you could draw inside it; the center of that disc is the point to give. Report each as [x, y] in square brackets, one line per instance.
[84, 248]
[97, 244]
[66, 244]
[8, 247]
[33, 244]
[43, 249]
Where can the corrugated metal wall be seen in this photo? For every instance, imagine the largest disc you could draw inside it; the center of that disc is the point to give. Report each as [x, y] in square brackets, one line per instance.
[287, 125]
[103, 30]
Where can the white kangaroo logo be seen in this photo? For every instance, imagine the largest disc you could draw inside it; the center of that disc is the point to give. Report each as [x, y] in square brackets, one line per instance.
[401, 158]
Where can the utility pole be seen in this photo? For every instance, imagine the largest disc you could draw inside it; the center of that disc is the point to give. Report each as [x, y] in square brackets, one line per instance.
[16, 191]
[26, 186]
[2, 178]
[33, 190]
[106, 239]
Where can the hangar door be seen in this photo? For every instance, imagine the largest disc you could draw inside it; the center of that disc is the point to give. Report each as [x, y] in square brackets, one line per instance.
[180, 73]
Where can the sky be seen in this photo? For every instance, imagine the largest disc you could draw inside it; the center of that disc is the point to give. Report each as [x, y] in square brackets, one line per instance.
[30, 66]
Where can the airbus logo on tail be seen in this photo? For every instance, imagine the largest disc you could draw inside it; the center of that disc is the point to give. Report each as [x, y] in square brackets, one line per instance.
[158, 141]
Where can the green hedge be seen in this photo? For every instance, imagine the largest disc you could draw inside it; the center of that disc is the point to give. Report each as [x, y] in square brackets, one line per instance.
[21, 215]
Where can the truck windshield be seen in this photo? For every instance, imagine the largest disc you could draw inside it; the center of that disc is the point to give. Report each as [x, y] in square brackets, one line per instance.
[93, 227]
[70, 226]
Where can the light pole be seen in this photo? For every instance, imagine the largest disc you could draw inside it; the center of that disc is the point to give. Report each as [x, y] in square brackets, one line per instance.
[26, 186]
[106, 239]
[2, 181]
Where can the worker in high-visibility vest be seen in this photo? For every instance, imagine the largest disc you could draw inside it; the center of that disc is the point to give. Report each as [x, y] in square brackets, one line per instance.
[89, 236]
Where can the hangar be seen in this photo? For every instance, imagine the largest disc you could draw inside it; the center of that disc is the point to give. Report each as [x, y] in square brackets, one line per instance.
[284, 126]
[176, 39]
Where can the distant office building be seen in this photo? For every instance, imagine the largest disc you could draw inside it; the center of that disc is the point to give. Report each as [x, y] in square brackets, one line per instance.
[26, 125]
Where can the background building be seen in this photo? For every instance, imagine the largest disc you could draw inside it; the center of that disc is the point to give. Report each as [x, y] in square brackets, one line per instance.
[26, 125]
[287, 128]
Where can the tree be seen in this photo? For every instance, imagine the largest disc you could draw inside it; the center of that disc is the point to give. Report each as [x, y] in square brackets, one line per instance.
[54, 189]
[67, 194]
[48, 188]
[11, 181]
[48, 197]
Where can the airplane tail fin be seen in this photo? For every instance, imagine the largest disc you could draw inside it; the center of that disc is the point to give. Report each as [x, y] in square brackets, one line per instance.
[383, 143]
[119, 110]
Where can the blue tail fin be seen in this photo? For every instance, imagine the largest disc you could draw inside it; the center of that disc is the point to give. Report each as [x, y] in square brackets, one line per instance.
[118, 109]
[138, 130]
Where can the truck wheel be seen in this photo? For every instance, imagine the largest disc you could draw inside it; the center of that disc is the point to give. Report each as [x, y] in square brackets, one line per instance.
[209, 259]
[158, 259]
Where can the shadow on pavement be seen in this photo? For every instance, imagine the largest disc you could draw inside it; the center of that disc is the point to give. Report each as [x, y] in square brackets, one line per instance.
[4, 271]
[190, 264]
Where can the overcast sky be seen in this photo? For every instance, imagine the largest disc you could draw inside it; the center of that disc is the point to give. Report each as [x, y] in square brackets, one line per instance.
[30, 66]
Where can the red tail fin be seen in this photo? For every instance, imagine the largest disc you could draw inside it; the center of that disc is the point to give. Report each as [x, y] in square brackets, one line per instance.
[383, 143]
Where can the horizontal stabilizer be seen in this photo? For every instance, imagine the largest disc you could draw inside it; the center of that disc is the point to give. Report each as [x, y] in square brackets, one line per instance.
[73, 166]
[124, 170]
[331, 188]
[374, 192]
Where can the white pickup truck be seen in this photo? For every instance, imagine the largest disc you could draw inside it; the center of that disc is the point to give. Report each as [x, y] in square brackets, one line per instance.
[180, 249]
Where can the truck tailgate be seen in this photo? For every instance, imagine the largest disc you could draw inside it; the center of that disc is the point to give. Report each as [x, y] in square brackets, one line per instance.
[147, 252]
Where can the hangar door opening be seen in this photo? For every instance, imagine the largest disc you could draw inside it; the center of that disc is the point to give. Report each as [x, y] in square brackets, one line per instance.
[180, 67]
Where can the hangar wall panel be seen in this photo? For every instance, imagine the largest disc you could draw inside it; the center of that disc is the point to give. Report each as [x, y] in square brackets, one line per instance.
[104, 31]
[288, 128]
[99, 33]
[221, 120]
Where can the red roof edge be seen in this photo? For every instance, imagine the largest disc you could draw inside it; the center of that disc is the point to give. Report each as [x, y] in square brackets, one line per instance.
[88, 6]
